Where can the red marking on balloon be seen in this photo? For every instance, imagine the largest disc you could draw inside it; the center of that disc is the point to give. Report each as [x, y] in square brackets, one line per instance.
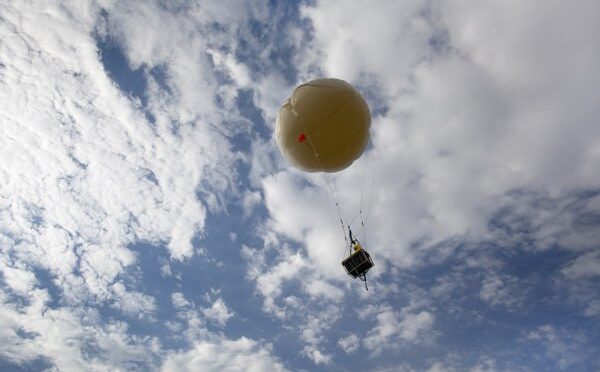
[301, 138]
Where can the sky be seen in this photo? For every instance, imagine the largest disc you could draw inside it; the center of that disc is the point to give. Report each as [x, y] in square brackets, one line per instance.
[149, 222]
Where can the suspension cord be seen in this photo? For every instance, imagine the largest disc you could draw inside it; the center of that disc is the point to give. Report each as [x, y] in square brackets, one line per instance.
[306, 135]
[329, 188]
[364, 231]
[337, 205]
[362, 192]
[361, 206]
[342, 225]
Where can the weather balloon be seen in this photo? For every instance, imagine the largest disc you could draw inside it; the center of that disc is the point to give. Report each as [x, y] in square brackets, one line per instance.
[323, 126]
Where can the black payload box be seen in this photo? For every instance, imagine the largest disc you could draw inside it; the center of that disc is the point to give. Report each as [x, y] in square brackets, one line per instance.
[358, 263]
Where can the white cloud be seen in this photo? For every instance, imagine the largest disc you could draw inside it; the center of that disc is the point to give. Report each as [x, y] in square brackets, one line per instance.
[585, 266]
[485, 365]
[393, 329]
[196, 318]
[579, 278]
[440, 367]
[269, 284]
[224, 355]
[567, 349]
[209, 352]
[317, 314]
[471, 102]
[84, 160]
[453, 363]
[61, 336]
[133, 303]
[356, 41]
[100, 266]
[313, 332]
[271, 91]
[18, 279]
[251, 200]
[320, 288]
[502, 290]
[218, 312]
[227, 62]
[349, 343]
[413, 325]
[179, 301]
[314, 354]
[85, 173]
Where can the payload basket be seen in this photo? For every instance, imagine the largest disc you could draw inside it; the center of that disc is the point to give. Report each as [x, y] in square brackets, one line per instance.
[358, 264]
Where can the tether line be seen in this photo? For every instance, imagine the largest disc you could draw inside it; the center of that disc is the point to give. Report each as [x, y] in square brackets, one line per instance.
[329, 187]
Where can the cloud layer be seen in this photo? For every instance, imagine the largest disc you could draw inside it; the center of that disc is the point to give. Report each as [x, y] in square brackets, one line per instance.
[148, 221]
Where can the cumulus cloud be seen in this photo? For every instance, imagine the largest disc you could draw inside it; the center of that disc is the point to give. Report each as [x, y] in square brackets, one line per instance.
[314, 354]
[396, 328]
[313, 333]
[132, 302]
[502, 290]
[88, 170]
[485, 364]
[359, 47]
[224, 355]
[61, 336]
[580, 279]
[484, 138]
[570, 350]
[193, 319]
[218, 312]
[269, 280]
[321, 288]
[86, 173]
[584, 266]
[349, 343]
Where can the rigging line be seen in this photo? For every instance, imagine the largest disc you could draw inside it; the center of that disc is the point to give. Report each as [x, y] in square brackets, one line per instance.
[344, 232]
[370, 199]
[329, 188]
[364, 220]
[353, 219]
[362, 186]
[308, 137]
[364, 231]
[365, 162]
[371, 194]
[362, 189]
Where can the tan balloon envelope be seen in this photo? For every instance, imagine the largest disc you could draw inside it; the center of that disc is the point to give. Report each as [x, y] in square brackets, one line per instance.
[323, 126]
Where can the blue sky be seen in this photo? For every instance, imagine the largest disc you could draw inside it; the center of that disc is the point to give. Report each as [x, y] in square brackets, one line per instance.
[149, 222]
